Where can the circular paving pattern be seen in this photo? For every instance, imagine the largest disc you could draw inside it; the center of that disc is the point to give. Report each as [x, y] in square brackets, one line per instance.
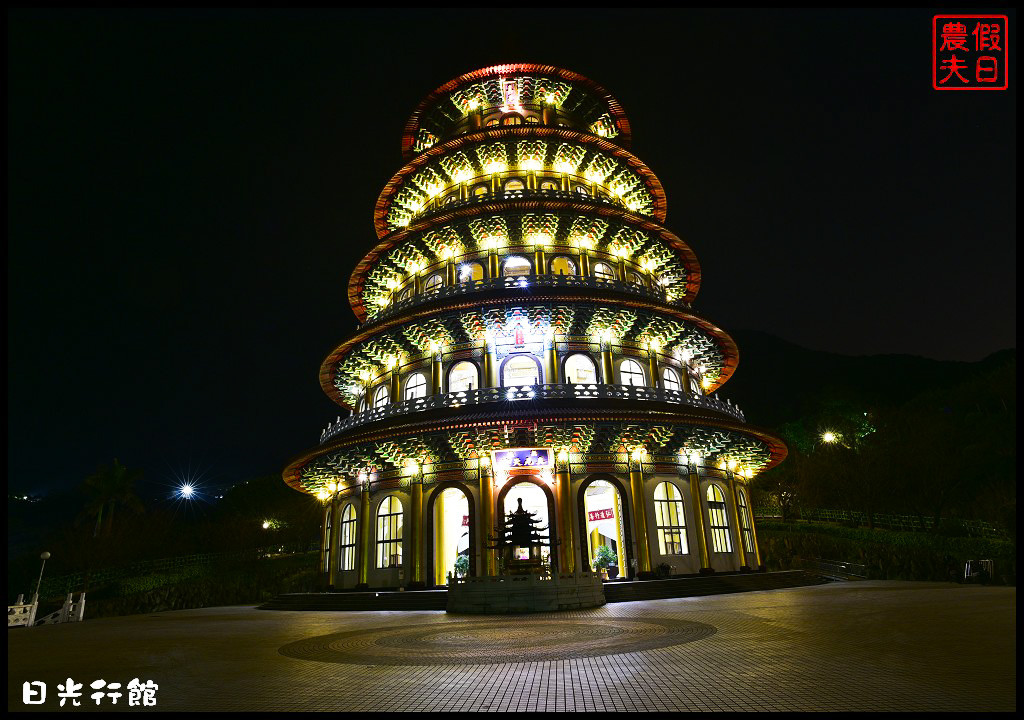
[481, 642]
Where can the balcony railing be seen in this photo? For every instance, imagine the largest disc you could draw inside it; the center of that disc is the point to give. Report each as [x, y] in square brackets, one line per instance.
[444, 203]
[523, 282]
[484, 396]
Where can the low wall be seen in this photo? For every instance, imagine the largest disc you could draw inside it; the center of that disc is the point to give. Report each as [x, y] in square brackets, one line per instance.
[525, 593]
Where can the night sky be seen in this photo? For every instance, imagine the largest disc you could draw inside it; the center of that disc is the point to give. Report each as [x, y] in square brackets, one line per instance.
[189, 192]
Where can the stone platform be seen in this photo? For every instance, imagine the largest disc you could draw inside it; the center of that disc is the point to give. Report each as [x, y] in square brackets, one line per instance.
[525, 593]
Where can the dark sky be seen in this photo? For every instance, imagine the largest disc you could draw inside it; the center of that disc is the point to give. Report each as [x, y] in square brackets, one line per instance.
[189, 191]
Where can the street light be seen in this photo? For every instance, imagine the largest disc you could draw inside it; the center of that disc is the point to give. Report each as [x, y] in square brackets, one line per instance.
[828, 436]
[44, 557]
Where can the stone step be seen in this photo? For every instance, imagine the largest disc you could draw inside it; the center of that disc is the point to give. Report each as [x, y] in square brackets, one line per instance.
[614, 592]
[708, 585]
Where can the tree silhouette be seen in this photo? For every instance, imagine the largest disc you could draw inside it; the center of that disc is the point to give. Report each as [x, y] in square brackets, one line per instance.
[108, 487]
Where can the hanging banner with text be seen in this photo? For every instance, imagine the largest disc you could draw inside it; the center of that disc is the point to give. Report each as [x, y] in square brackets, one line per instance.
[522, 459]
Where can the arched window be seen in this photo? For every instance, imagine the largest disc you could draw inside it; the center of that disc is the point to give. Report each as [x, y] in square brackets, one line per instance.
[636, 279]
[327, 539]
[433, 283]
[562, 265]
[580, 370]
[471, 272]
[493, 121]
[389, 533]
[513, 185]
[416, 386]
[381, 396]
[548, 185]
[515, 265]
[406, 293]
[603, 272]
[718, 521]
[745, 525]
[463, 376]
[670, 520]
[532, 119]
[481, 190]
[347, 546]
[512, 120]
[519, 371]
[671, 379]
[630, 373]
[582, 189]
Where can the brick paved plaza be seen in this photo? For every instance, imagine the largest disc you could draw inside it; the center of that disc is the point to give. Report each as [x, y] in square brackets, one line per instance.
[842, 646]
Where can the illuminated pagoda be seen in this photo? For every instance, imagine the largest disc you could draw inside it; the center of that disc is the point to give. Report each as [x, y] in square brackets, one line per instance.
[528, 334]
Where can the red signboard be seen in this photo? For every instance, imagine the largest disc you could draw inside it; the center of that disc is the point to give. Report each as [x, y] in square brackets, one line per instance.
[465, 521]
[595, 515]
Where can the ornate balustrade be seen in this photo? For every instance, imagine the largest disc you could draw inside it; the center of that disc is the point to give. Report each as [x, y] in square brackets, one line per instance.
[449, 202]
[484, 396]
[522, 282]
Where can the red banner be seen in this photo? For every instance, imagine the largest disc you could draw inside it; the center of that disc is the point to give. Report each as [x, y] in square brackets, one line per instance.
[595, 515]
[465, 521]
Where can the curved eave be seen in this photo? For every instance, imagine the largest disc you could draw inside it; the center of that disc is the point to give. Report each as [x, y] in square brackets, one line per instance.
[730, 352]
[652, 183]
[441, 94]
[445, 422]
[357, 281]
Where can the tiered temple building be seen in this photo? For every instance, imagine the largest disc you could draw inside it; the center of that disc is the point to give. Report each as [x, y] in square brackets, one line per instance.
[528, 334]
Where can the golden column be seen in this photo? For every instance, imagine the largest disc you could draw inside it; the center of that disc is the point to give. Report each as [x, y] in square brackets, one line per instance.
[736, 520]
[584, 262]
[486, 515]
[563, 498]
[396, 382]
[698, 520]
[365, 522]
[539, 262]
[334, 539]
[753, 531]
[487, 362]
[606, 363]
[636, 483]
[491, 364]
[550, 362]
[440, 543]
[436, 371]
[652, 367]
[417, 527]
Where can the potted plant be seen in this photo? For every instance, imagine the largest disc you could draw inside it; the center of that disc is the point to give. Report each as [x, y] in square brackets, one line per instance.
[604, 559]
[461, 566]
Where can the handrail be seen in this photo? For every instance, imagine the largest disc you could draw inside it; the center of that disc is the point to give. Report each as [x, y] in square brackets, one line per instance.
[436, 206]
[483, 396]
[521, 282]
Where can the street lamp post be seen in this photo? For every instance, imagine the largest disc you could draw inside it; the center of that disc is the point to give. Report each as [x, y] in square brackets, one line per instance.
[44, 557]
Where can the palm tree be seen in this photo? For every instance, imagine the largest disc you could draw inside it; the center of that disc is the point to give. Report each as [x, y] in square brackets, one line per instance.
[111, 486]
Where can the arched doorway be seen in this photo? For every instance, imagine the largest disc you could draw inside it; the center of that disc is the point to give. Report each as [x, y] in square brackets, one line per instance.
[537, 498]
[604, 520]
[450, 532]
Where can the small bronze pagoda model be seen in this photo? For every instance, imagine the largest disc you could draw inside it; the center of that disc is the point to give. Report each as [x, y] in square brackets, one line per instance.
[519, 542]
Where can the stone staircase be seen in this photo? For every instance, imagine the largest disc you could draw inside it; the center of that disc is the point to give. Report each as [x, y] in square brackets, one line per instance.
[613, 591]
[719, 584]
